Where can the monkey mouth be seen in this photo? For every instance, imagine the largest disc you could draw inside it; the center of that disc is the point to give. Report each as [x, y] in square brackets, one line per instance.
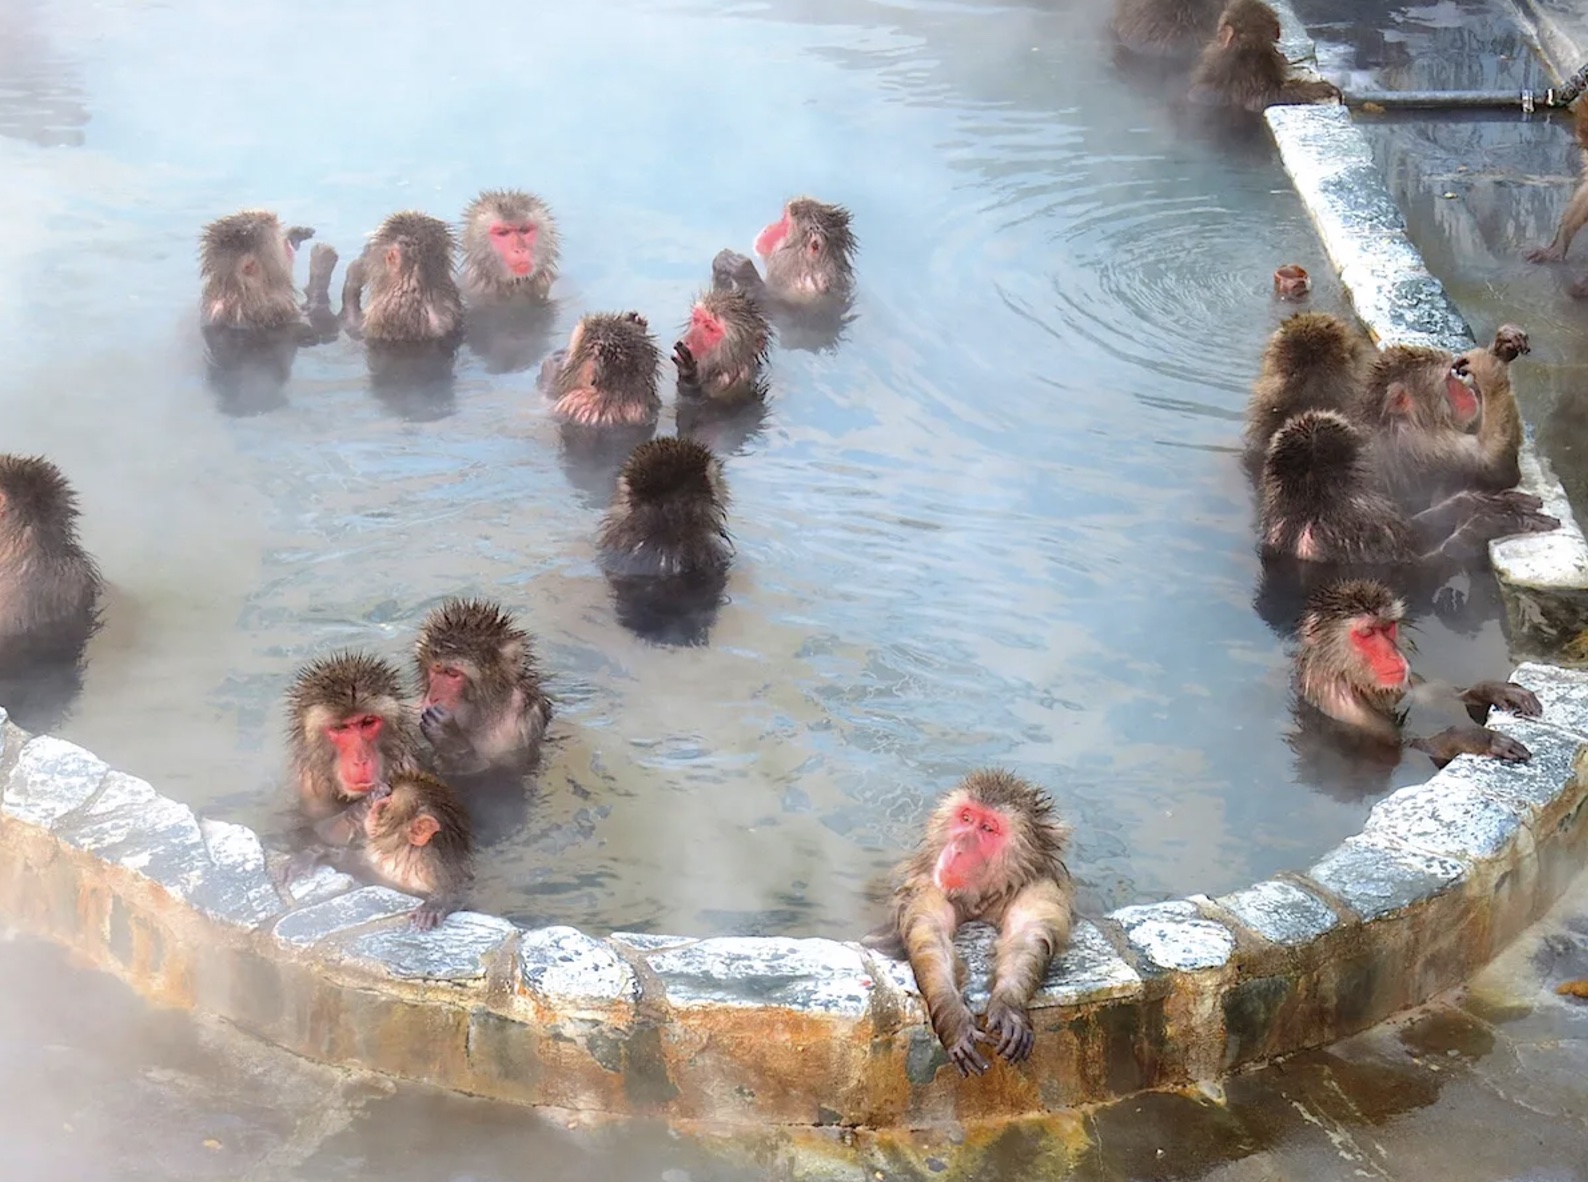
[522, 270]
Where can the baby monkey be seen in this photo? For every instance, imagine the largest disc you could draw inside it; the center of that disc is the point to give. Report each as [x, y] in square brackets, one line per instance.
[411, 834]
[1349, 665]
[993, 852]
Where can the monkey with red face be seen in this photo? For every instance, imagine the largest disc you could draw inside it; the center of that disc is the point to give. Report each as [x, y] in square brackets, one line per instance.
[510, 246]
[993, 852]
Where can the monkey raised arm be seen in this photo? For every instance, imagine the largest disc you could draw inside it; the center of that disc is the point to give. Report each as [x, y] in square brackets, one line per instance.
[1035, 926]
[732, 271]
[353, 299]
[323, 324]
[1489, 516]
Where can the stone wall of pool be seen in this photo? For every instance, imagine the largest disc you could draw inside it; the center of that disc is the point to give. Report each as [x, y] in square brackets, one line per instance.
[777, 1031]
[790, 1031]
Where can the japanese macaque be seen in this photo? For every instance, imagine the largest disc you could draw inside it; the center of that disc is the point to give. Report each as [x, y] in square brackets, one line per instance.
[1319, 502]
[481, 706]
[1419, 403]
[723, 348]
[1165, 28]
[411, 833]
[406, 271]
[1313, 361]
[1243, 68]
[994, 852]
[1349, 666]
[808, 255]
[50, 591]
[510, 246]
[664, 543]
[1575, 216]
[245, 261]
[348, 730]
[606, 377]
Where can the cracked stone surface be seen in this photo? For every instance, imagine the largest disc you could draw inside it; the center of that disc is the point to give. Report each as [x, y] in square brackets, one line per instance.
[326, 882]
[1281, 912]
[127, 813]
[646, 942]
[1175, 935]
[458, 950]
[1449, 815]
[309, 925]
[563, 965]
[52, 778]
[1375, 879]
[818, 975]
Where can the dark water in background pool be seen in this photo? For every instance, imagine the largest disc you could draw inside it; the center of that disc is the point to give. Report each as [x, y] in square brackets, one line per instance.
[1003, 522]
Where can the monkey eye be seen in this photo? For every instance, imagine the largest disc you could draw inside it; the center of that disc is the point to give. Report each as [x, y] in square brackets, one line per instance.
[988, 827]
[370, 723]
[965, 817]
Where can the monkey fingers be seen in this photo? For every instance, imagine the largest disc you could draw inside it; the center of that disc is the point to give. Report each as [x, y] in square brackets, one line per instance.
[298, 235]
[1546, 254]
[1510, 342]
[1010, 1032]
[1504, 695]
[1472, 740]
[427, 916]
[964, 1055]
[733, 271]
[301, 865]
[685, 361]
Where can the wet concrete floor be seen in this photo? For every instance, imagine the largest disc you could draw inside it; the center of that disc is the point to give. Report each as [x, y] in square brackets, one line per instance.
[1488, 1083]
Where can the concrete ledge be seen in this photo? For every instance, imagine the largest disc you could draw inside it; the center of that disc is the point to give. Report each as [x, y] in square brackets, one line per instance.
[790, 1031]
[1544, 577]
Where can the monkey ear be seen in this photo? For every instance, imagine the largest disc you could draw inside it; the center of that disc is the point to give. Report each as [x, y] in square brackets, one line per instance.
[422, 828]
[513, 653]
[1226, 35]
[1398, 399]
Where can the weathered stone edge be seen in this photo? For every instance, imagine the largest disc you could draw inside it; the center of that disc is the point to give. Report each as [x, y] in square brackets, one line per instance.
[791, 1031]
[1544, 576]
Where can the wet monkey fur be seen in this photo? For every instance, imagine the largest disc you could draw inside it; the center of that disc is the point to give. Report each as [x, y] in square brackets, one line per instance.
[993, 851]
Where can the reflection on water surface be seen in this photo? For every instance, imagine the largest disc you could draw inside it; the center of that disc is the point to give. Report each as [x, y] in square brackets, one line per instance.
[1001, 521]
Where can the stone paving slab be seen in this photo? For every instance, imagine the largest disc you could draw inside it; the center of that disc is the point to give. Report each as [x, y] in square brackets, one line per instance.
[309, 925]
[564, 966]
[1175, 936]
[1375, 878]
[1281, 912]
[1562, 693]
[821, 976]
[459, 950]
[1450, 816]
[1532, 786]
[51, 779]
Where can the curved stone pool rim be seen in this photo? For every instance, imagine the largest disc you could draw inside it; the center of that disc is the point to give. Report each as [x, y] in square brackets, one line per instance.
[775, 1030]
[808, 1032]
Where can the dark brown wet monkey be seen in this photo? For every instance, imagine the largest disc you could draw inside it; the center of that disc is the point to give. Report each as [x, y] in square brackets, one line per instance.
[1313, 361]
[1576, 213]
[606, 377]
[1419, 403]
[809, 255]
[481, 705]
[412, 834]
[664, 544]
[1349, 666]
[406, 273]
[1165, 28]
[993, 851]
[1242, 67]
[723, 348]
[348, 730]
[1318, 501]
[50, 588]
[245, 262]
[510, 246]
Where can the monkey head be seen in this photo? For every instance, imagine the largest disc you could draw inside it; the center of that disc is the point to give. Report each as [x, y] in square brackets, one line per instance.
[349, 723]
[510, 243]
[469, 651]
[1249, 22]
[1349, 659]
[1425, 388]
[993, 832]
[808, 250]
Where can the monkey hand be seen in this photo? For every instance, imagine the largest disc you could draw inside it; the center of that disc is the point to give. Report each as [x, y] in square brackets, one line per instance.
[1472, 740]
[685, 360]
[1521, 502]
[1545, 254]
[1504, 695]
[433, 723]
[300, 865]
[298, 235]
[732, 271]
[427, 916]
[1510, 342]
[962, 1053]
[1009, 1030]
